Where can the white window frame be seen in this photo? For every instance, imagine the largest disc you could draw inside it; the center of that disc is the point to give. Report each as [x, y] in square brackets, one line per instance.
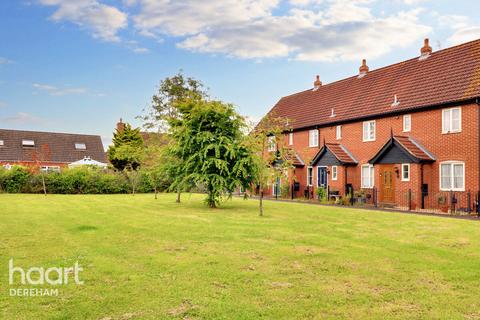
[338, 132]
[310, 176]
[367, 133]
[405, 128]
[80, 146]
[50, 169]
[2, 143]
[313, 138]
[28, 143]
[452, 175]
[290, 139]
[271, 143]
[405, 165]
[371, 179]
[334, 173]
[450, 120]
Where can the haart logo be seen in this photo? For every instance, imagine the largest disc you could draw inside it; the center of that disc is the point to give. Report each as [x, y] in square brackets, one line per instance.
[39, 276]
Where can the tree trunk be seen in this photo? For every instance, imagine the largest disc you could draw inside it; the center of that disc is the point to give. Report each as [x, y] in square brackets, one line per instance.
[44, 186]
[261, 203]
[156, 192]
[178, 195]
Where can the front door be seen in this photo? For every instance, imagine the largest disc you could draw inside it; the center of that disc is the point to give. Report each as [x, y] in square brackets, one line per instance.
[388, 184]
[322, 177]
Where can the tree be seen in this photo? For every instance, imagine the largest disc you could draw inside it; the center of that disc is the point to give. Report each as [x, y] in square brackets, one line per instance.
[157, 161]
[208, 140]
[171, 91]
[38, 157]
[125, 140]
[132, 156]
[272, 158]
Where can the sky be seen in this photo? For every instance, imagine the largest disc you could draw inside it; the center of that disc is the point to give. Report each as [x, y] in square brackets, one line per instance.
[78, 66]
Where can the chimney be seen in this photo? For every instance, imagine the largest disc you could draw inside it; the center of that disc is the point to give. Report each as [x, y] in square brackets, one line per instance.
[426, 49]
[363, 69]
[317, 84]
[120, 126]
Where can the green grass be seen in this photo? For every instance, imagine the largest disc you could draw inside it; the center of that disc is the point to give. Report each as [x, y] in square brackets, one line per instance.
[154, 259]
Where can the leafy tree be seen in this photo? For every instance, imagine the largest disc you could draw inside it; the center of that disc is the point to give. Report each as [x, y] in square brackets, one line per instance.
[208, 140]
[171, 92]
[38, 157]
[132, 156]
[126, 149]
[157, 162]
[274, 164]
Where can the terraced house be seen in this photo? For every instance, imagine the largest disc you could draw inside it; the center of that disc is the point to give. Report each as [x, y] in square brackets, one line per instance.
[405, 134]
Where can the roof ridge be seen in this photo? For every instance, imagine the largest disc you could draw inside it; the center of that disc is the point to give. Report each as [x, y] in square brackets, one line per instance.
[50, 132]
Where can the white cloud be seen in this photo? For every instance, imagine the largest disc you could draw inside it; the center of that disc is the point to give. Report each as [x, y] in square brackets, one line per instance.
[3, 104]
[5, 61]
[103, 21]
[335, 30]
[463, 30]
[22, 118]
[56, 91]
[141, 50]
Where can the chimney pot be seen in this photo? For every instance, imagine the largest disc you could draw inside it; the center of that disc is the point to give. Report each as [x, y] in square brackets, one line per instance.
[120, 126]
[363, 68]
[426, 49]
[317, 82]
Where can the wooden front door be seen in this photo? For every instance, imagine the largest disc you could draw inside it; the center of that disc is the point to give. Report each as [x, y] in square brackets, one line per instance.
[387, 180]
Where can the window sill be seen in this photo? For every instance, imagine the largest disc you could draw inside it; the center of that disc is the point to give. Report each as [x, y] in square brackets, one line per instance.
[453, 190]
[452, 132]
[368, 140]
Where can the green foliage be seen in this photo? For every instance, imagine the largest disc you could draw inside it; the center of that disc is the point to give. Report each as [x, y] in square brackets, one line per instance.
[322, 194]
[171, 92]
[127, 148]
[210, 146]
[14, 180]
[285, 190]
[80, 180]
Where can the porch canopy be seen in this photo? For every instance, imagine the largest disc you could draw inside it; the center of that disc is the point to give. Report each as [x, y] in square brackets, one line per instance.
[87, 161]
[289, 155]
[333, 154]
[401, 149]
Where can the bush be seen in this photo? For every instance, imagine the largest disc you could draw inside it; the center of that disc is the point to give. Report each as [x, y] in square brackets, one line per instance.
[14, 180]
[81, 180]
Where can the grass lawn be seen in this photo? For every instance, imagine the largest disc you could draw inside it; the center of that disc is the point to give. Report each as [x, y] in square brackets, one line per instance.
[155, 259]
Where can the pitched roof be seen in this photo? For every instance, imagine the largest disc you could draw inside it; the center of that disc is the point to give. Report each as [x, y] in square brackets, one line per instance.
[339, 151]
[295, 158]
[415, 151]
[60, 146]
[447, 75]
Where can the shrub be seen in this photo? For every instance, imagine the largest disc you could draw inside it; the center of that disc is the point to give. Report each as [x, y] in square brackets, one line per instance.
[14, 180]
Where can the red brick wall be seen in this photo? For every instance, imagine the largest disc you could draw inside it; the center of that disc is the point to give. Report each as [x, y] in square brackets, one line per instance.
[426, 128]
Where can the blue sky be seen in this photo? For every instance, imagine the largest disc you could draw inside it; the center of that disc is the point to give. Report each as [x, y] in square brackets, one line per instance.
[79, 65]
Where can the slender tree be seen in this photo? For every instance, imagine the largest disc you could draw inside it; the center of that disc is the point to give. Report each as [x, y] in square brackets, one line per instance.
[272, 157]
[40, 156]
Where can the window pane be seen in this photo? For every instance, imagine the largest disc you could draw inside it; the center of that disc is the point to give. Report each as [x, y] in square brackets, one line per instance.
[455, 119]
[371, 177]
[365, 131]
[446, 120]
[407, 122]
[458, 176]
[446, 180]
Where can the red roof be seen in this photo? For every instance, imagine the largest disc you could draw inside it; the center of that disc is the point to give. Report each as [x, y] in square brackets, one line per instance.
[340, 152]
[448, 75]
[414, 148]
[294, 157]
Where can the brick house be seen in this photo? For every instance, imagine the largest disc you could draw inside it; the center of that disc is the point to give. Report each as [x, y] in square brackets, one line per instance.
[411, 129]
[48, 151]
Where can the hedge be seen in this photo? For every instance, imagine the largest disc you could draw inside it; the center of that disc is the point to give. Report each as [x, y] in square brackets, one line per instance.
[81, 180]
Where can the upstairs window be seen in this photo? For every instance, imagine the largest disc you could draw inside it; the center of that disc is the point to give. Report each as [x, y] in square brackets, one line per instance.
[369, 130]
[339, 132]
[272, 144]
[451, 120]
[80, 146]
[452, 176]
[407, 123]
[313, 138]
[28, 143]
[2, 143]
[290, 139]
